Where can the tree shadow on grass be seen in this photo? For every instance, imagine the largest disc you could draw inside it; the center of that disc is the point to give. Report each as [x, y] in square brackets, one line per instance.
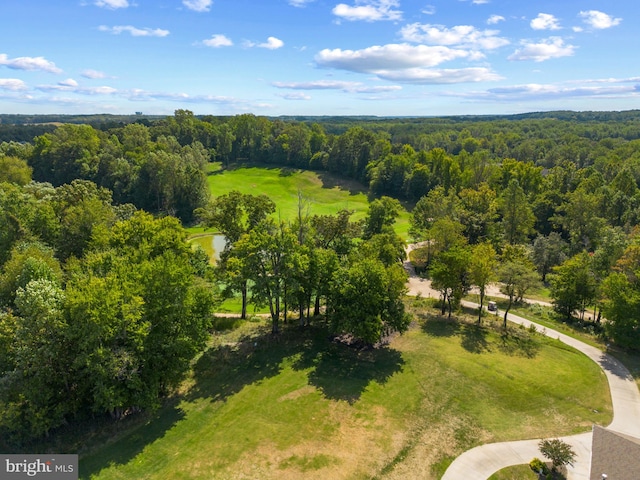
[521, 343]
[151, 427]
[343, 373]
[330, 180]
[226, 369]
[474, 338]
[440, 326]
[339, 371]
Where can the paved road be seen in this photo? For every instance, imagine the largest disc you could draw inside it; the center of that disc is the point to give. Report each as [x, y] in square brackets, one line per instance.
[481, 462]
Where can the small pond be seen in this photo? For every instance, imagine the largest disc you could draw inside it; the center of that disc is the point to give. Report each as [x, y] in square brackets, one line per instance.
[213, 244]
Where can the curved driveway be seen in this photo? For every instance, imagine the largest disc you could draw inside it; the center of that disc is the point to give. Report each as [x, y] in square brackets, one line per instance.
[481, 462]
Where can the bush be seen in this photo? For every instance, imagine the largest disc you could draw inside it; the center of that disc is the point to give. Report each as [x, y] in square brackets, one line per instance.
[539, 466]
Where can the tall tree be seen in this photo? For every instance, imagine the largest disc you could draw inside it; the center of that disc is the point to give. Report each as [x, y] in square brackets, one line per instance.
[573, 285]
[450, 276]
[482, 270]
[235, 214]
[516, 276]
[517, 216]
[366, 300]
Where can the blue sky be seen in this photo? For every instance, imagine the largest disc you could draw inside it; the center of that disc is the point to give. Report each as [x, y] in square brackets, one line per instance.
[318, 57]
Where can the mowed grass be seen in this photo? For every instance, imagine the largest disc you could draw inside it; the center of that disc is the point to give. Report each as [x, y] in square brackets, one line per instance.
[322, 193]
[301, 406]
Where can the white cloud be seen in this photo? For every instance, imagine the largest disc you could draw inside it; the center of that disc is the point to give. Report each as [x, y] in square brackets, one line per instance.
[406, 63]
[295, 96]
[218, 40]
[599, 20]
[93, 74]
[198, 5]
[299, 3]
[429, 10]
[356, 87]
[545, 21]
[480, 2]
[369, 10]
[554, 47]
[493, 19]
[460, 35]
[12, 84]
[69, 82]
[388, 57]
[113, 4]
[134, 31]
[427, 76]
[272, 43]
[73, 87]
[29, 63]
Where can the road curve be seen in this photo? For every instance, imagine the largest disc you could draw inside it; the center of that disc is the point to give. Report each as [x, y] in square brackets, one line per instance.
[481, 462]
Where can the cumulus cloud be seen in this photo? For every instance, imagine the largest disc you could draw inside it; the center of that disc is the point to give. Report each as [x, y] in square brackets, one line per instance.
[12, 84]
[599, 20]
[388, 57]
[369, 10]
[493, 19]
[553, 47]
[69, 82]
[198, 5]
[545, 21]
[29, 63]
[218, 40]
[460, 35]
[272, 43]
[93, 74]
[406, 63]
[112, 4]
[134, 31]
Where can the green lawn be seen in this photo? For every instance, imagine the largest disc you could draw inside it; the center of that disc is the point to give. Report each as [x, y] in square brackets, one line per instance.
[323, 192]
[302, 406]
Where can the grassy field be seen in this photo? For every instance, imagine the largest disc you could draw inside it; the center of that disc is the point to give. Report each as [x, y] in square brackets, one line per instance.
[303, 406]
[323, 193]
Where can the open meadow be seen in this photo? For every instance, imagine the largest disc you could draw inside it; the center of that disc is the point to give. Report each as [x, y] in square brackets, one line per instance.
[301, 405]
[322, 192]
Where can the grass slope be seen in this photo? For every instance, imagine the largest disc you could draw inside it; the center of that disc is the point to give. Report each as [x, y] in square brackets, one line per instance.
[323, 193]
[302, 406]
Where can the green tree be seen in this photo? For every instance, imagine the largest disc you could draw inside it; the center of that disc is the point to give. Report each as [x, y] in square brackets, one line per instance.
[382, 214]
[366, 300]
[235, 214]
[548, 252]
[558, 451]
[482, 270]
[516, 275]
[517, 216]
[269, 255]
[573, 285]
[450, 276]
[34, 394]
[14, 170]
[621, 307]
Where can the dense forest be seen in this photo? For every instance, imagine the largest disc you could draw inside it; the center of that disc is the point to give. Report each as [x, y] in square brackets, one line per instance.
[103, 303]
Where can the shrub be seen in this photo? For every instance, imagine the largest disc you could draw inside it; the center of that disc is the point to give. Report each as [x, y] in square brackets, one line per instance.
[538, 466]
